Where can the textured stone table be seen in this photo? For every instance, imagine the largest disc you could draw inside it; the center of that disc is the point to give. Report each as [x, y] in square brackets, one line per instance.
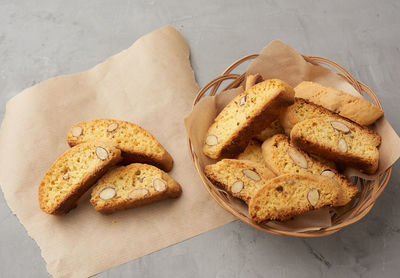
[42, 39]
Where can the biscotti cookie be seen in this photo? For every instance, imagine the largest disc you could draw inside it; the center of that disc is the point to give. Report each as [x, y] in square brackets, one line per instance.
[253, 153]
[300, 111]
[245, 116]
[136, 144]
[241, 178]
[339, 140]
[356, 109]
[132, 186]
[284, 158]
[73, 173]
[274, 128]
[289, 195]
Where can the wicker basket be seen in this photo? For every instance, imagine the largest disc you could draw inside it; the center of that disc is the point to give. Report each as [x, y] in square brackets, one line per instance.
[341, 217]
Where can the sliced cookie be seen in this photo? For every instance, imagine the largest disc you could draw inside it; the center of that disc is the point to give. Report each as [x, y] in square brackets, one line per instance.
[241, 178]
[253, 153]
[340, 140]
[136, 143]
[73, 173]
[246, 116]
[356, 109]
[283, 157]
[292, 194]
[300, 111]
[133, 186]
[274, 128]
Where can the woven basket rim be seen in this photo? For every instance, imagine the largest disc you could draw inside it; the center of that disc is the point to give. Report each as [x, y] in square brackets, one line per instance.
[370, 189]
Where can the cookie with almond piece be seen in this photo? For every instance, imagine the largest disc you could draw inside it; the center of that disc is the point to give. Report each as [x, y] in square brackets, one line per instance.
[289, 195]
[253, 153]
[282, 157]
[241, 178]
[340, 140]
[136, 143]
[73, 173]
[245, 116]
[299, 111]
[133, 186]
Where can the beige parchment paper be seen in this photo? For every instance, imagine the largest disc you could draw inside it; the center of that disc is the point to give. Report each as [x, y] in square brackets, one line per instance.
[150, 84]
[279, 60]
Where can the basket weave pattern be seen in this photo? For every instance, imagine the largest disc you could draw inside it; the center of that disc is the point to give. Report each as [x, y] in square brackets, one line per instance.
[341, 217]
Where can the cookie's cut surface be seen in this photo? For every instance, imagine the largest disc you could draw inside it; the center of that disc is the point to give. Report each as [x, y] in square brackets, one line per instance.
[133, 186]
[274, 128]
[253, 153]
[241, 178]
[245, 116]
[339, 140]
[284, 158]
[299, 111]
[73, 173]
[356, 109]
[136, 143]
[288, 195]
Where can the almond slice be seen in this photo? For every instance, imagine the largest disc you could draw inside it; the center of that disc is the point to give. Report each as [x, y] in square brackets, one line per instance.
[313, 196]
[107, 193]
[112, 127]
[340, 127]
[297, 157]
[138, 193]
[328, 173]
[242, 100]
[159, 185]
[101, 153]
[77, 131]
[212, 140]
[251, 174]
[237, 186]
[342, 145]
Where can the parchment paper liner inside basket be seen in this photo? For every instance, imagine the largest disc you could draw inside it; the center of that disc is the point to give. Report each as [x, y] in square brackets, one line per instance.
[278, 60]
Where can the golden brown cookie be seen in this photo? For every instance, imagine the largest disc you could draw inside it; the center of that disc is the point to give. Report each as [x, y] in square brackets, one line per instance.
[133, 186]
[73, 173]
[292, 194]
[356, 109]
[241, 178]
[339, 140]
[245, 116]
[283, 157]
[136, 143]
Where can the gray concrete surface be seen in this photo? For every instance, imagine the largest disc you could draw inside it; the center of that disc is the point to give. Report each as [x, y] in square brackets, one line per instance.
[42, 39]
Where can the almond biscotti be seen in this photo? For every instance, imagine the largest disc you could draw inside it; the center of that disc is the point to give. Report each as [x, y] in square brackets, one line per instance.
[241, 178]
[245, 116]
[253, 153]
[132, 186]
[300, 111]
[284, 158]
[274, 128]
[73, 173]
[136, 144]
[356, 109]
[339, 140]
[289, 195]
